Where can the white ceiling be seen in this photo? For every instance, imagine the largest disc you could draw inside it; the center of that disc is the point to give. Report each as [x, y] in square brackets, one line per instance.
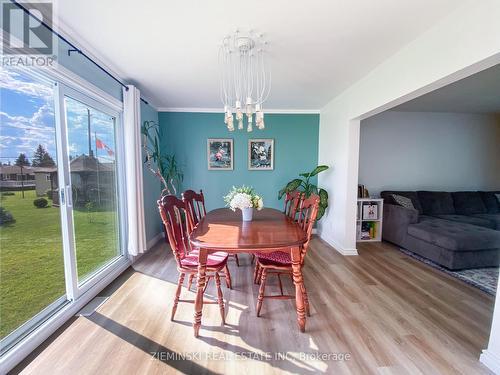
[317, 47]
[479, 93]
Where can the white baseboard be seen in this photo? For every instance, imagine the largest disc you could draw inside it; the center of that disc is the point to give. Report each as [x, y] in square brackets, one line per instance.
[149, 245]
[341, 249]
[490, 360]
[153, 241]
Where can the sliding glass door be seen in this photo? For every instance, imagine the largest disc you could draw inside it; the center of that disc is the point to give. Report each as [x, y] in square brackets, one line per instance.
[90, 174]
[60, 215]
[32, 276]
[93, 172]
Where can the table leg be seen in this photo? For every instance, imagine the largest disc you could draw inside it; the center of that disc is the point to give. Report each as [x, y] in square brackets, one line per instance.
[198, 305]
[299, 288]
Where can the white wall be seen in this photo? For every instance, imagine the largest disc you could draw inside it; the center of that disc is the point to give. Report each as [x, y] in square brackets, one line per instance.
[463, 43]
[429, 151]
[491, 356]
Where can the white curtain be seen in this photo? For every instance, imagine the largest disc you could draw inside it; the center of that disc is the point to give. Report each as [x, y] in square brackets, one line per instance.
[133, 169]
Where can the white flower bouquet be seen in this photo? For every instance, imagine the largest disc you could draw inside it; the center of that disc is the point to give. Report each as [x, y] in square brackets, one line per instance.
[243, 198]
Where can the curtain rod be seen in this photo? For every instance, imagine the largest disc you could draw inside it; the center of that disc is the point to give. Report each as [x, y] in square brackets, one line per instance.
[75, 48]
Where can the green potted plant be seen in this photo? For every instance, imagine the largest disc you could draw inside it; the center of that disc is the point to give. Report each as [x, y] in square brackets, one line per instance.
[165, 166]
[305, 185]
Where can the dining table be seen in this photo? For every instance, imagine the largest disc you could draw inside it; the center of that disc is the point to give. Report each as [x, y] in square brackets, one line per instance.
[270, 230]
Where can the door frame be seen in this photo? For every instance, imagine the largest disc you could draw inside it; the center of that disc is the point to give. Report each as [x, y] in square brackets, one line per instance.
[75, 288]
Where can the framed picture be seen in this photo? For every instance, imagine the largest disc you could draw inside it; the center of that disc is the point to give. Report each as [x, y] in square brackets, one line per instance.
[370, 211]
[220, 154]
[261, 154]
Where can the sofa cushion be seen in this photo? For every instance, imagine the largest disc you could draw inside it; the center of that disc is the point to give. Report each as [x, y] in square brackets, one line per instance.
[490, 202]
[453, 235]
[494, 219]
[482, 222]
[436, 202]
[468, 203]
[412, 195]
[403, 201]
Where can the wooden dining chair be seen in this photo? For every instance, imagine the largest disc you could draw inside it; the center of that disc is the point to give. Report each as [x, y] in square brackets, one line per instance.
[292, 201]
[279, 262]
[196, 206]
[175, 216]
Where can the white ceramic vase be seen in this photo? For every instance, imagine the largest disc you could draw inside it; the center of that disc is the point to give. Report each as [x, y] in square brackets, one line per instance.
[247, 213]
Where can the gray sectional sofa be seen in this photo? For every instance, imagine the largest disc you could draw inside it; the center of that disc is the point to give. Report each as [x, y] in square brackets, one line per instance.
[456, 230]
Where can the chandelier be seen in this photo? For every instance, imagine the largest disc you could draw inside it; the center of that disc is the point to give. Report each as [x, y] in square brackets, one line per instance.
[245, 81]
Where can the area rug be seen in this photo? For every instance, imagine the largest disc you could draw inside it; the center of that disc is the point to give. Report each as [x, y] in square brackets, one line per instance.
[485, 279]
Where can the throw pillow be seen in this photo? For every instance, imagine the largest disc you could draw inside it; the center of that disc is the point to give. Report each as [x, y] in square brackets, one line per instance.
[403, 201]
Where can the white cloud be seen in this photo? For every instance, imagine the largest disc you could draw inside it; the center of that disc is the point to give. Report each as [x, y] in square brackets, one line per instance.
[14, 118]
[73, 148]
[10, 80]
[40, 120]
[7, 137]
[44, 111]
[25, 133]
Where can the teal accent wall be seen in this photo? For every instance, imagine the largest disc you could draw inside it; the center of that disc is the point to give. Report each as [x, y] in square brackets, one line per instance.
[152, 187]
[296, 150]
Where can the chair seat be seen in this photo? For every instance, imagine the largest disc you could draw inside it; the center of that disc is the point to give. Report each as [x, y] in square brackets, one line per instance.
[216, 259]
[276, 257]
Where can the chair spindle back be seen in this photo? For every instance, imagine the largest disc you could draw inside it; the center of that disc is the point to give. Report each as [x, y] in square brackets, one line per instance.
[307, 213]
[195, 204]
[175, 217]
[292, 202]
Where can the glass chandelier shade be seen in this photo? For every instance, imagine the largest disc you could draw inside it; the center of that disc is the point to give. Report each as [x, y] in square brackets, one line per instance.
[245, 79]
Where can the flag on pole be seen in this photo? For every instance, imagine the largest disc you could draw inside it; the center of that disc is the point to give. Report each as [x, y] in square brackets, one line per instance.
[100, 144]
[109, 151]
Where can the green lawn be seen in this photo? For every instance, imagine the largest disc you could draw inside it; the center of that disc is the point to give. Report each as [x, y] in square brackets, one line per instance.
[31, 255]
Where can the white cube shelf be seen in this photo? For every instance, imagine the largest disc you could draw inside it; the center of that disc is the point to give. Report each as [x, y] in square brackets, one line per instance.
[369, 219]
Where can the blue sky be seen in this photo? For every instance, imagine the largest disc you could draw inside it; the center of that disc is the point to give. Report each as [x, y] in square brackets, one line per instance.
[27, 119]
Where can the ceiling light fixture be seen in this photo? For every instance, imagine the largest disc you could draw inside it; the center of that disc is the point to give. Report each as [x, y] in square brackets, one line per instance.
[245, 78]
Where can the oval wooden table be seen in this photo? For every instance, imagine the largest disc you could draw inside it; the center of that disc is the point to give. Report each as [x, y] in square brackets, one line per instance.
[270, 230]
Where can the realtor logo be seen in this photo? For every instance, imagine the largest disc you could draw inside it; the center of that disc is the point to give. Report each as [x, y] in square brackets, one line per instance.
[25, 31]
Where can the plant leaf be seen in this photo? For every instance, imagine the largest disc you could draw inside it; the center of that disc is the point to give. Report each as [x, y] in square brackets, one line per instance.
[319, 169]
[281, 193]
[321, 212]
[305, 174]
[323, 197]
[293, 185]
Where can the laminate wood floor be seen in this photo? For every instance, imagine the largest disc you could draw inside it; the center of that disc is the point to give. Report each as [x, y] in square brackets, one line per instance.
[390, 313]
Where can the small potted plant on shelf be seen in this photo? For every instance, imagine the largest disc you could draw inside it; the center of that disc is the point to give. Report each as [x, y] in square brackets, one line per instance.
[245, 199]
